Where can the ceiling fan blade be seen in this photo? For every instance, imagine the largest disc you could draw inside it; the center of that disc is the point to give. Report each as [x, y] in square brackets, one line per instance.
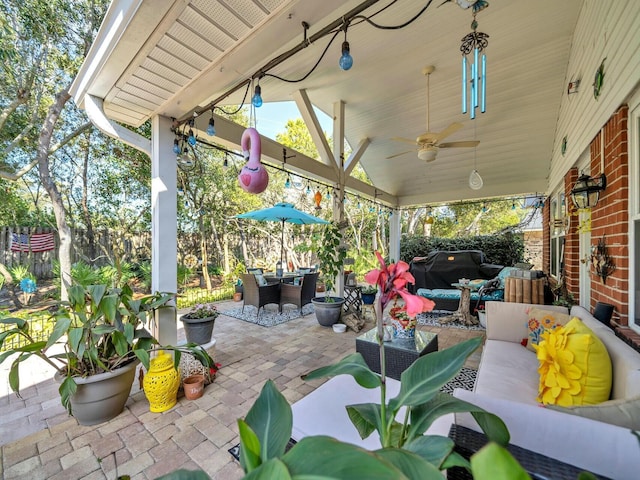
[400, 139]
[398, 154]
[467, 143]
[451, 129]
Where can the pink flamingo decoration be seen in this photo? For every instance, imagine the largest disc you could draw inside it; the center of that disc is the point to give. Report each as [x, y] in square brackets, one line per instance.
[253, 177]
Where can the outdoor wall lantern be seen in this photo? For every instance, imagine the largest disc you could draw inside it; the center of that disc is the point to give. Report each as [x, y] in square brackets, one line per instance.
[586, 191]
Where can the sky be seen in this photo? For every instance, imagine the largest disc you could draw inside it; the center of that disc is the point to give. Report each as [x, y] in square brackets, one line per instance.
[272, 118]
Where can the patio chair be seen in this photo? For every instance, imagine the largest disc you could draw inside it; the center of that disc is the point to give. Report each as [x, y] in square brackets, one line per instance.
[254, 270]
[299, 295]
[257, 295]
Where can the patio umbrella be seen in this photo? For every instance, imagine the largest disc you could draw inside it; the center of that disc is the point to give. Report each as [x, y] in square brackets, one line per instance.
[282, 212]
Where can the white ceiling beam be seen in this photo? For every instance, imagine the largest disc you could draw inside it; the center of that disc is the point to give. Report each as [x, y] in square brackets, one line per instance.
[228, 135]
[313, 124]
[355, 156]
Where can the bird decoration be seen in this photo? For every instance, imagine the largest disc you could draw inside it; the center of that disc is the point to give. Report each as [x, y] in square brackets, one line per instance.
[253, 178]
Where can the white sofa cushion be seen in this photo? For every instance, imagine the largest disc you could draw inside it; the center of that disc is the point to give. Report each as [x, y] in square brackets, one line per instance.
[508, 370]
[323, 412]
[597, 447]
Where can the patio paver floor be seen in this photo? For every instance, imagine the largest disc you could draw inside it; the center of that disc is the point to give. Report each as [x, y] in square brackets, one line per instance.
[40, 441]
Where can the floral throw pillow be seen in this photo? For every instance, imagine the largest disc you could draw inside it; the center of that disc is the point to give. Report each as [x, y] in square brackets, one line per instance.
[541, 320]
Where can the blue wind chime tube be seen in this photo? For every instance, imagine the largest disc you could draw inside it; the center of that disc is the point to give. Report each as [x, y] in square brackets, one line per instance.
[464, 84]
[476, 80]
[483, 95]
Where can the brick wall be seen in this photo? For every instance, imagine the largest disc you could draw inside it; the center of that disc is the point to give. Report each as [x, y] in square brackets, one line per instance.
[609, 219]
[609, 223]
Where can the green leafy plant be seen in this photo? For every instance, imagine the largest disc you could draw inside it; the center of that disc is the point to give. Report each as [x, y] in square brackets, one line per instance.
[331, 255]
[100, 329]
[369, 290]
[406, 452]
[203, 310]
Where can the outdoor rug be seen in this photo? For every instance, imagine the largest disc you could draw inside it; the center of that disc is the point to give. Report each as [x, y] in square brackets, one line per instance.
[268, 317]
[466, 379]
[432, 319]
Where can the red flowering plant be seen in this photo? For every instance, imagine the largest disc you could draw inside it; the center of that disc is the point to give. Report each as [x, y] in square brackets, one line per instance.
[392, 283]
[406, 445]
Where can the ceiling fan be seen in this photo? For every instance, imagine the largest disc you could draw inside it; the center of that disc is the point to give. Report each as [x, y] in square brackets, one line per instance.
[428, 144]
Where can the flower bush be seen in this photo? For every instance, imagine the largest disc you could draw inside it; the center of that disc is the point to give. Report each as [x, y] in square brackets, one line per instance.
[203, 310]
[392, 283]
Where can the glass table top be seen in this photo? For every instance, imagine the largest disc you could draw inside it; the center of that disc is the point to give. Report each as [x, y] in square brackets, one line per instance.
[417, 344]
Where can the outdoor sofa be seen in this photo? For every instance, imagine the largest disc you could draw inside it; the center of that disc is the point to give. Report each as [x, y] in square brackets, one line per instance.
[507, 385]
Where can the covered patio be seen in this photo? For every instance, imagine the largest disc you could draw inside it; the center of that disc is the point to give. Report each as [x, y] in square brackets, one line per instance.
[180, 62]
[39, 440]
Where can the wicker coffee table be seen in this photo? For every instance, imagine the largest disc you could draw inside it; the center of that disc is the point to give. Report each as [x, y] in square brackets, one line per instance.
[399, 354]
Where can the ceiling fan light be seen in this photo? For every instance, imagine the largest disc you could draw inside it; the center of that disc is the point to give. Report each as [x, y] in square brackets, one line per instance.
[427, 154]
[475, 180]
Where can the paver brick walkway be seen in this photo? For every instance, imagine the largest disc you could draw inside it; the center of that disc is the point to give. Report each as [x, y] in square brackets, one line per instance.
[40, 441]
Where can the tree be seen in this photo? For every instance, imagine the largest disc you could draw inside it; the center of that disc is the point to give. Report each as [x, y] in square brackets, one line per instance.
[40, 55]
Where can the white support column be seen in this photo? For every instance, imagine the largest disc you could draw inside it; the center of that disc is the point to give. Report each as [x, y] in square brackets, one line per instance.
[338, 157]
[394, 236]
[164, 226]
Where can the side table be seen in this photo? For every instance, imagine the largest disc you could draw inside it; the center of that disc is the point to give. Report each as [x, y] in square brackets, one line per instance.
[399, 353]
[462, 314]
[352, 299]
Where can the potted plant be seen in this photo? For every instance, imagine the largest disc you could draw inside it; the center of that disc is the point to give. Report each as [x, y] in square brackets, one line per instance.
[331, 255]
[368, 294]
[98, 339]
[199, 322]
[406, 451]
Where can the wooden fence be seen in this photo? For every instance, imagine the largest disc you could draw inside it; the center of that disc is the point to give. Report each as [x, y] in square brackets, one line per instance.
[106, 244]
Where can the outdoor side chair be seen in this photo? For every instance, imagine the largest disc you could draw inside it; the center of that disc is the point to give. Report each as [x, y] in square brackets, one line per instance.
[258, 296]
[299, 295]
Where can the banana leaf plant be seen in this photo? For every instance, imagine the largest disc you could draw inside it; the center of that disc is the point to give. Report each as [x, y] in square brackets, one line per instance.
[406, 453]
[99, 329]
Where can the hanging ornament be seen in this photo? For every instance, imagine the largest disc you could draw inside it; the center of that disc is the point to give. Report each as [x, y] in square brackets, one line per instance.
[253, 177]
[317, 198]
[474, 43]
[475, 180]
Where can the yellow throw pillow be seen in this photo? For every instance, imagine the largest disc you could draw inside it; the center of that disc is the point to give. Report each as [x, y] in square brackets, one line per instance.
[575, 368]
[541, 320]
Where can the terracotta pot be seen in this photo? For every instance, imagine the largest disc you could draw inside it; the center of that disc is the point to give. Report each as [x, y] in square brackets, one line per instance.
[237, 296]
[193, 386]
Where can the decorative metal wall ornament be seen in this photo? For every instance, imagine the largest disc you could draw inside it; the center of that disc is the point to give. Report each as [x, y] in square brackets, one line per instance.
[601, 262]
[598, 80]
[573, 86]
[476, 43]
[563, 149]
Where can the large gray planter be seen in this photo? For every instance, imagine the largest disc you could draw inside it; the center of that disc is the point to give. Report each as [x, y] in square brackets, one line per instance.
[327, 313]
[198, 330]
[101, 397]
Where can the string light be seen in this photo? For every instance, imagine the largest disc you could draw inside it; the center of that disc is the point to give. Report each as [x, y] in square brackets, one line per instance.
[211, 129]
[346, 60]
[256, 100]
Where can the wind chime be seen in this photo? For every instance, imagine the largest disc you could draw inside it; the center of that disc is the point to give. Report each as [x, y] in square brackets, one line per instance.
[474, 75]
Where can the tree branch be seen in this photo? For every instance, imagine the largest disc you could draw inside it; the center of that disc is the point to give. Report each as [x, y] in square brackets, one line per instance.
[71, 136]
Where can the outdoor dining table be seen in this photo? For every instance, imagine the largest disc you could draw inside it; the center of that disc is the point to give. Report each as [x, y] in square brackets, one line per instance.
[287, 277]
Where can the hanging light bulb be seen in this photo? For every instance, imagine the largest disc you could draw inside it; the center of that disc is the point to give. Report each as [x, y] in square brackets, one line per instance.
[256, 100]
[191, 138]
[475, 180]
[513, 206]
[225, 162]
[176, 146]
[328, 195]
[185, 160]
[346, 60]
[308, 190]
[484, 207]
[359, 205]
[287, 183]
[211, 129]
